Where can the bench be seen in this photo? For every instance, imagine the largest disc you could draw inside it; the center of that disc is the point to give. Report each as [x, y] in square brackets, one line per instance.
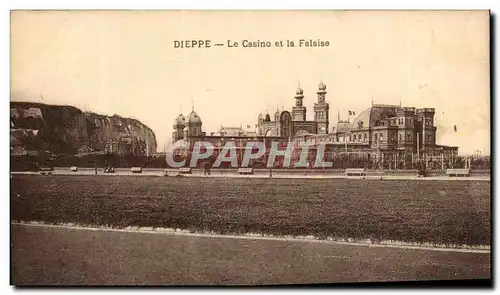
[355, 172]
[185, 170]
[136, 169]
[46, 170]
[245, 171]
[171, 172]
[73, 169]
[374, 174]
[458, 172]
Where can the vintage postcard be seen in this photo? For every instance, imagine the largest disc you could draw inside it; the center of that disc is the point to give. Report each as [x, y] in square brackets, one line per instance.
[250, 148]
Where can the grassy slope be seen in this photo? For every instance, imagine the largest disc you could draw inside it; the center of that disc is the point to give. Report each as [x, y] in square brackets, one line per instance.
[444, 212]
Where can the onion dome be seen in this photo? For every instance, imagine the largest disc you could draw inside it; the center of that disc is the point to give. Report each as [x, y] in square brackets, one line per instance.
[322, 86]
[194, 118]
[180, 121]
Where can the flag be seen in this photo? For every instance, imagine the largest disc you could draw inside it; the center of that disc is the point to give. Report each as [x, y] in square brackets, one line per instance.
[455, 128]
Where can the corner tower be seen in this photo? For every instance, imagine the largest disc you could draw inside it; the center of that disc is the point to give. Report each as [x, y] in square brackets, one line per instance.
[194, 124]
[321, 110]
[299, 110]
[179, 124]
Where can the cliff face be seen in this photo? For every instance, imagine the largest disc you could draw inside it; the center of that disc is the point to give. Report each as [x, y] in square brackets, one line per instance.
[66, 129]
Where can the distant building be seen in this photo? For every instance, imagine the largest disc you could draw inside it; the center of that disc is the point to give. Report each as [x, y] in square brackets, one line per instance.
[231, 131]
[382, 132]
[385, 127]
[289, 124]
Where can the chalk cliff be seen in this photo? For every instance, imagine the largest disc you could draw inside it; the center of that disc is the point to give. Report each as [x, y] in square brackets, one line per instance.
[67, 130]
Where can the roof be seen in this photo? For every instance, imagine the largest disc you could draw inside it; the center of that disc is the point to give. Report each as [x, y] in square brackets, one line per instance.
[231, 131]
[230, 128]
[370, 116]
[343, 126]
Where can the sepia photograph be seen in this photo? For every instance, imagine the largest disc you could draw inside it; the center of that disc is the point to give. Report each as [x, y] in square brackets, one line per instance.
[250, 148]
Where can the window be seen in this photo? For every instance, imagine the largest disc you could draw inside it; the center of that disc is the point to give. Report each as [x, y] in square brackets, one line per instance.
[365, 137]
[381, 136]
[401, 137]
[409, 136]
[354, 137]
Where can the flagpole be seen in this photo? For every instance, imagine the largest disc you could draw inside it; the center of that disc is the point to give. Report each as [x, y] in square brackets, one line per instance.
[418, 149]
[346, 131]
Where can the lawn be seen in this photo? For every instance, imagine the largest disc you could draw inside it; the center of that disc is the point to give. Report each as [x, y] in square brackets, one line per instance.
[440, 212]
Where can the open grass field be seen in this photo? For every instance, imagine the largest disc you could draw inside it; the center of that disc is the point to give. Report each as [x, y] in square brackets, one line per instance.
[439, 212]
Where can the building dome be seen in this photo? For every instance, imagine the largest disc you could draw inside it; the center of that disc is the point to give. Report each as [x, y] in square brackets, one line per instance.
[322, 86]
[372, 116]
[180, 121]
[299, 91]
[268, 118]
[194, 118]
[260, 118]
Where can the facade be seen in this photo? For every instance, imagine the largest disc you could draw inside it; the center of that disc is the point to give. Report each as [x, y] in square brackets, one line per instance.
[385, 135]
[287, 124]
[388, 133]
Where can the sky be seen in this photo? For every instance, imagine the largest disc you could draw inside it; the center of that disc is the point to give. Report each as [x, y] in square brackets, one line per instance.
[125, 63]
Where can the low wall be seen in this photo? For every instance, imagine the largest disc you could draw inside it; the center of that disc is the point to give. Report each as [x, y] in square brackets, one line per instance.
[232, 171]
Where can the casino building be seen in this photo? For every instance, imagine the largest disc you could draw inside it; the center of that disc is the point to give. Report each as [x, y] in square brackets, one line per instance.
[392, 136]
